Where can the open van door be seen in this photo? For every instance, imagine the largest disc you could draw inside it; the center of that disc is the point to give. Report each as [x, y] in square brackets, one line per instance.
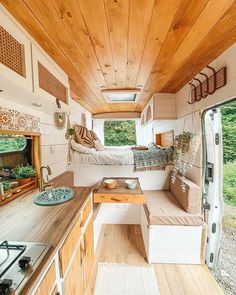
[213, 203]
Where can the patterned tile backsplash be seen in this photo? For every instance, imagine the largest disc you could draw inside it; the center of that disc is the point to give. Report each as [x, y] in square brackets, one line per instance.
[14, 120]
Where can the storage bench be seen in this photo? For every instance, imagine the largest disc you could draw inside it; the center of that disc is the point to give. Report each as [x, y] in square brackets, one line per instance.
[172, 226]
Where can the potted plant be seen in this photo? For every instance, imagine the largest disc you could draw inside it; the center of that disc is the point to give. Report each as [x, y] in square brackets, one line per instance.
[70, 133]
[24, 174]
[7, 185]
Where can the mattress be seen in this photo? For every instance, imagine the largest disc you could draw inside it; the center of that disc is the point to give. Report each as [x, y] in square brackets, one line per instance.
[110, 156]
[162, 208]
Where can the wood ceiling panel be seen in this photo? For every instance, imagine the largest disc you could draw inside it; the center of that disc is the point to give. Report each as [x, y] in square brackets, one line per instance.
[117, 13]
[140, 10]
[94, 15]
[154, 45]
[162, 17]
[46, 14]
[206, 51]
[70, 15]
[184, 19]
[208, 18]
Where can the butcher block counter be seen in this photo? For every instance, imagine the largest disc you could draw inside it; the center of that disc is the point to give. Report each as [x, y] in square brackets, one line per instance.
[22, 220]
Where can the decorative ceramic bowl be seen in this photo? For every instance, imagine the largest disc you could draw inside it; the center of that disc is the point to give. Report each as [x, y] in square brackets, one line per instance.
[131, 184]
[110, 183]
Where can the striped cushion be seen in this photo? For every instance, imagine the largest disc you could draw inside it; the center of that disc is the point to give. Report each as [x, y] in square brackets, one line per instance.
[83, 136]
[93, 134]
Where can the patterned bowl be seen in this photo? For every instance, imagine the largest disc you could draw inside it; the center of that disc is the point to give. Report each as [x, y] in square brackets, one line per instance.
[54, 196]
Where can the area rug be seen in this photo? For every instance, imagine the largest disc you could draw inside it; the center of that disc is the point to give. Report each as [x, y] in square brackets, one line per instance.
[122, 279]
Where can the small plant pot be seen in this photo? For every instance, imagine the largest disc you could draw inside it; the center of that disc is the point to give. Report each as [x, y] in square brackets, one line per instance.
[24, 181]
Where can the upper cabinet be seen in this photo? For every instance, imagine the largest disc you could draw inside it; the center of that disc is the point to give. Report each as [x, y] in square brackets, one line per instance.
[49, 80]
[27, 73]
[15, 54]
[160, 107]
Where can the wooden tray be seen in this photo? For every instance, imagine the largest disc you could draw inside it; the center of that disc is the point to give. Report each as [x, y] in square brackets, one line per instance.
[23, 189]
[119, 194]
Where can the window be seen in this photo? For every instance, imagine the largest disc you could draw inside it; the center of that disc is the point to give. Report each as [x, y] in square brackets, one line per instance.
[119, 97]
[12, 143]
[119, 133]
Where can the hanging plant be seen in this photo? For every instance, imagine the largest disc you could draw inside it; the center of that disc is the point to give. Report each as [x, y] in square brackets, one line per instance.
[183, 141]
[186, 146]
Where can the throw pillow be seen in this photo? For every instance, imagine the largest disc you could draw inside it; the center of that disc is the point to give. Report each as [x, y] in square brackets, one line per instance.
[98, 145]
[83, 136]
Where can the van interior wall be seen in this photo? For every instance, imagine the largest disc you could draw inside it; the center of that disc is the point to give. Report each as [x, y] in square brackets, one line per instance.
[184, 109]
[53, 143]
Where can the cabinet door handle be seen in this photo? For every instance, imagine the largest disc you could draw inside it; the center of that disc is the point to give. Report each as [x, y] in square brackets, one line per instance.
[58, 293]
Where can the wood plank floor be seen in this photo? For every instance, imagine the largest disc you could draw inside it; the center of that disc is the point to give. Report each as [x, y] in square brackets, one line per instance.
[124, 244]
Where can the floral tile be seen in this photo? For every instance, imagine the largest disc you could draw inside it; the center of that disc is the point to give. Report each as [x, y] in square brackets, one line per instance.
[14, 120]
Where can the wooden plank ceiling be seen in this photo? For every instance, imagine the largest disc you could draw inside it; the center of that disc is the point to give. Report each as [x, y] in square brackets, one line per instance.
[105, 44]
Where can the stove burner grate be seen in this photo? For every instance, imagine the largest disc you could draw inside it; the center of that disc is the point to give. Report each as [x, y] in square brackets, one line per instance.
[8, 247]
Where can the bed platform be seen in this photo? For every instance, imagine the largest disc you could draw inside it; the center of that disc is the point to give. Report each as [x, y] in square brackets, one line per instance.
[89, 175]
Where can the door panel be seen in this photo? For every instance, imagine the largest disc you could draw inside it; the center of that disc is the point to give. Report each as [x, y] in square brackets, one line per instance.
[213, 190]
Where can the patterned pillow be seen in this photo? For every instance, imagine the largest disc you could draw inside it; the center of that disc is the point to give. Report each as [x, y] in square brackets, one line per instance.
[93, 134]
[83, 136]
[98, 145]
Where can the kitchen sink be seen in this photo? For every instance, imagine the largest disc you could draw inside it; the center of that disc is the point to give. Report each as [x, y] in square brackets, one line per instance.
[54, 196]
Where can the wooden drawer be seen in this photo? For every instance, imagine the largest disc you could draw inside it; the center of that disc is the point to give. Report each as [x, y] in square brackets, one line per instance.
[69, 245]
[86, 211]
[48, 282]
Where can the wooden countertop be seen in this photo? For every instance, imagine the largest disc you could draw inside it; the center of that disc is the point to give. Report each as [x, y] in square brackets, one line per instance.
[22, 220]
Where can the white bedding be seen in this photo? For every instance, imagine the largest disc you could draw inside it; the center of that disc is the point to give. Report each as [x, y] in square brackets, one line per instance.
[110, 156]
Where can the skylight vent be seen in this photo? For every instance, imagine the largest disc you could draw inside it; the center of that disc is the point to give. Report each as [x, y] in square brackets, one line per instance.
[121, 95]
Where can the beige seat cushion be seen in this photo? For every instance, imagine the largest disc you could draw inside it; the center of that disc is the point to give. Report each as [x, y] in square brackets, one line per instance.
[162, 208]
[190, 200]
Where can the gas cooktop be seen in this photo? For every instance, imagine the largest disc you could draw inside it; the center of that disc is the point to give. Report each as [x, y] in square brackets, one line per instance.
[18, 261]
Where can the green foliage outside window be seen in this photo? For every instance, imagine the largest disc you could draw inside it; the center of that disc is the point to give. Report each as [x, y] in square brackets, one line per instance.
[119, 133]
[230, 183]
[8, 144]
[228, 112]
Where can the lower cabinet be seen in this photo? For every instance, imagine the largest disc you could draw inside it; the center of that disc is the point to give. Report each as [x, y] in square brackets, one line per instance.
[73, 282]
[72, 275]
[78, 276]
[46, 286]
[88, 253]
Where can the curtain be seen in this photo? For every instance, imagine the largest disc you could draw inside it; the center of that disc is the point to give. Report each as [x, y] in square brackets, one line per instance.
[98, 128]
[145, 133]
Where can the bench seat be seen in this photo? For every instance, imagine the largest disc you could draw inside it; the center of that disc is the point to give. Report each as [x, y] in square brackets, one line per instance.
[162, 208]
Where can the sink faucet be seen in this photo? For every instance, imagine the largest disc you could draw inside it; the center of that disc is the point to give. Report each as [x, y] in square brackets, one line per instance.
[42, 183]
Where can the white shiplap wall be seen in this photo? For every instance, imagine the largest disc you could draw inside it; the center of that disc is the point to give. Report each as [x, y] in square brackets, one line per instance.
[183, 109]
[53, 142]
